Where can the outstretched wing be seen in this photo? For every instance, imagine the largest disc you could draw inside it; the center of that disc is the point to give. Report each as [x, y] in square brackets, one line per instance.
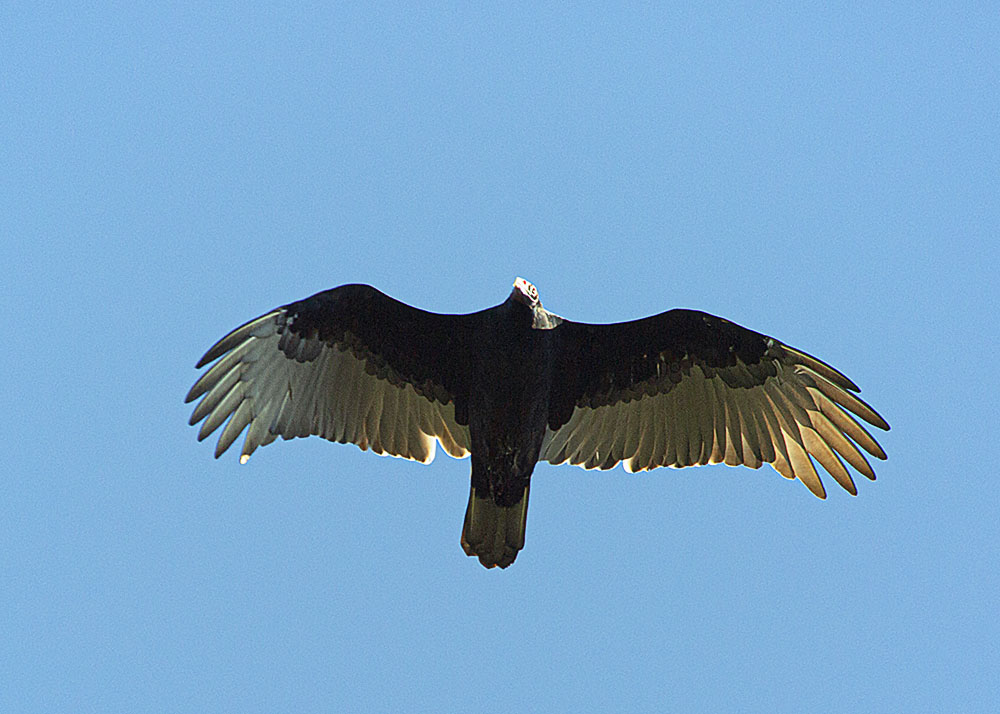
[685, 388]
[349, 364]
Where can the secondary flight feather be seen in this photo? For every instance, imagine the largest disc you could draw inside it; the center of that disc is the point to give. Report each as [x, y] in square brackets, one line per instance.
[515, 384]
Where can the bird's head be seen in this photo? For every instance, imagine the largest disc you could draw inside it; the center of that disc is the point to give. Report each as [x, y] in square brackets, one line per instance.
[526, 293]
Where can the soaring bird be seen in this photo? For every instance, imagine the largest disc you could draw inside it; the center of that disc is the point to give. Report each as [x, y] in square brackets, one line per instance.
[515, 384]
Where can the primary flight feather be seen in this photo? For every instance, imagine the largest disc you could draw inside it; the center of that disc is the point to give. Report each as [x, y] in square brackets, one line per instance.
[515, 384]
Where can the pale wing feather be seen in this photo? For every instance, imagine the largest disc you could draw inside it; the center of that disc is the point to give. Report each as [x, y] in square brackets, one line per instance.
[632, 435]
[642, 456]
[321, 390]
[704, 410]
[800, 412]
[670, 451]
[686, 443]
[734, 444]
[748, 433]
[764, 433]
[716, 413]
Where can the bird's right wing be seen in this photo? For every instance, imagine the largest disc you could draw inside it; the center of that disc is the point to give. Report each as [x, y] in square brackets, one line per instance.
[350, 365]
[685, 388]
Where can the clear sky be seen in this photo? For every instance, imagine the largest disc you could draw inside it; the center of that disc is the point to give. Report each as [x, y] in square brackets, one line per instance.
[825, 174]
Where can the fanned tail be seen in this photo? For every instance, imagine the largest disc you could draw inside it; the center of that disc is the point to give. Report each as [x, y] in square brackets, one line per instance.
[494, 533]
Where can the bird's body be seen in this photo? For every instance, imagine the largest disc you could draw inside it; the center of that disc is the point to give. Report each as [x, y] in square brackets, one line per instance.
[515, 384]
[508, 415]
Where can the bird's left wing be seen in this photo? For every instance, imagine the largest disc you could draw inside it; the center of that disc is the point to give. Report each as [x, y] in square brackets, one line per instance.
[685, 388]
[350, 365]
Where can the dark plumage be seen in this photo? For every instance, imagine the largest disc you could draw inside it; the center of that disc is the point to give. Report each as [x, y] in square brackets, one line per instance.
[516, 384]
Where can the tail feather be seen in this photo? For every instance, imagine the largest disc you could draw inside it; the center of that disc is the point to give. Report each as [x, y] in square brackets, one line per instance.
[494, 533]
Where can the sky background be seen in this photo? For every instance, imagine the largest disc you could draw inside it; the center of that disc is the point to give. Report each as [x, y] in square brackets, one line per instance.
[827, 174]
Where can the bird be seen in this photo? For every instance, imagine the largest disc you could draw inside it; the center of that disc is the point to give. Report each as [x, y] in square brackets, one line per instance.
[515, 384]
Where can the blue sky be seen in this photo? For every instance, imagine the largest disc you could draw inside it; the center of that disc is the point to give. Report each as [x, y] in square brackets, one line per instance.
[825, 174]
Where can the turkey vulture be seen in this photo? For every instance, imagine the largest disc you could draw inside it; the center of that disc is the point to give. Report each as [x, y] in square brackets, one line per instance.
[515, 384]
